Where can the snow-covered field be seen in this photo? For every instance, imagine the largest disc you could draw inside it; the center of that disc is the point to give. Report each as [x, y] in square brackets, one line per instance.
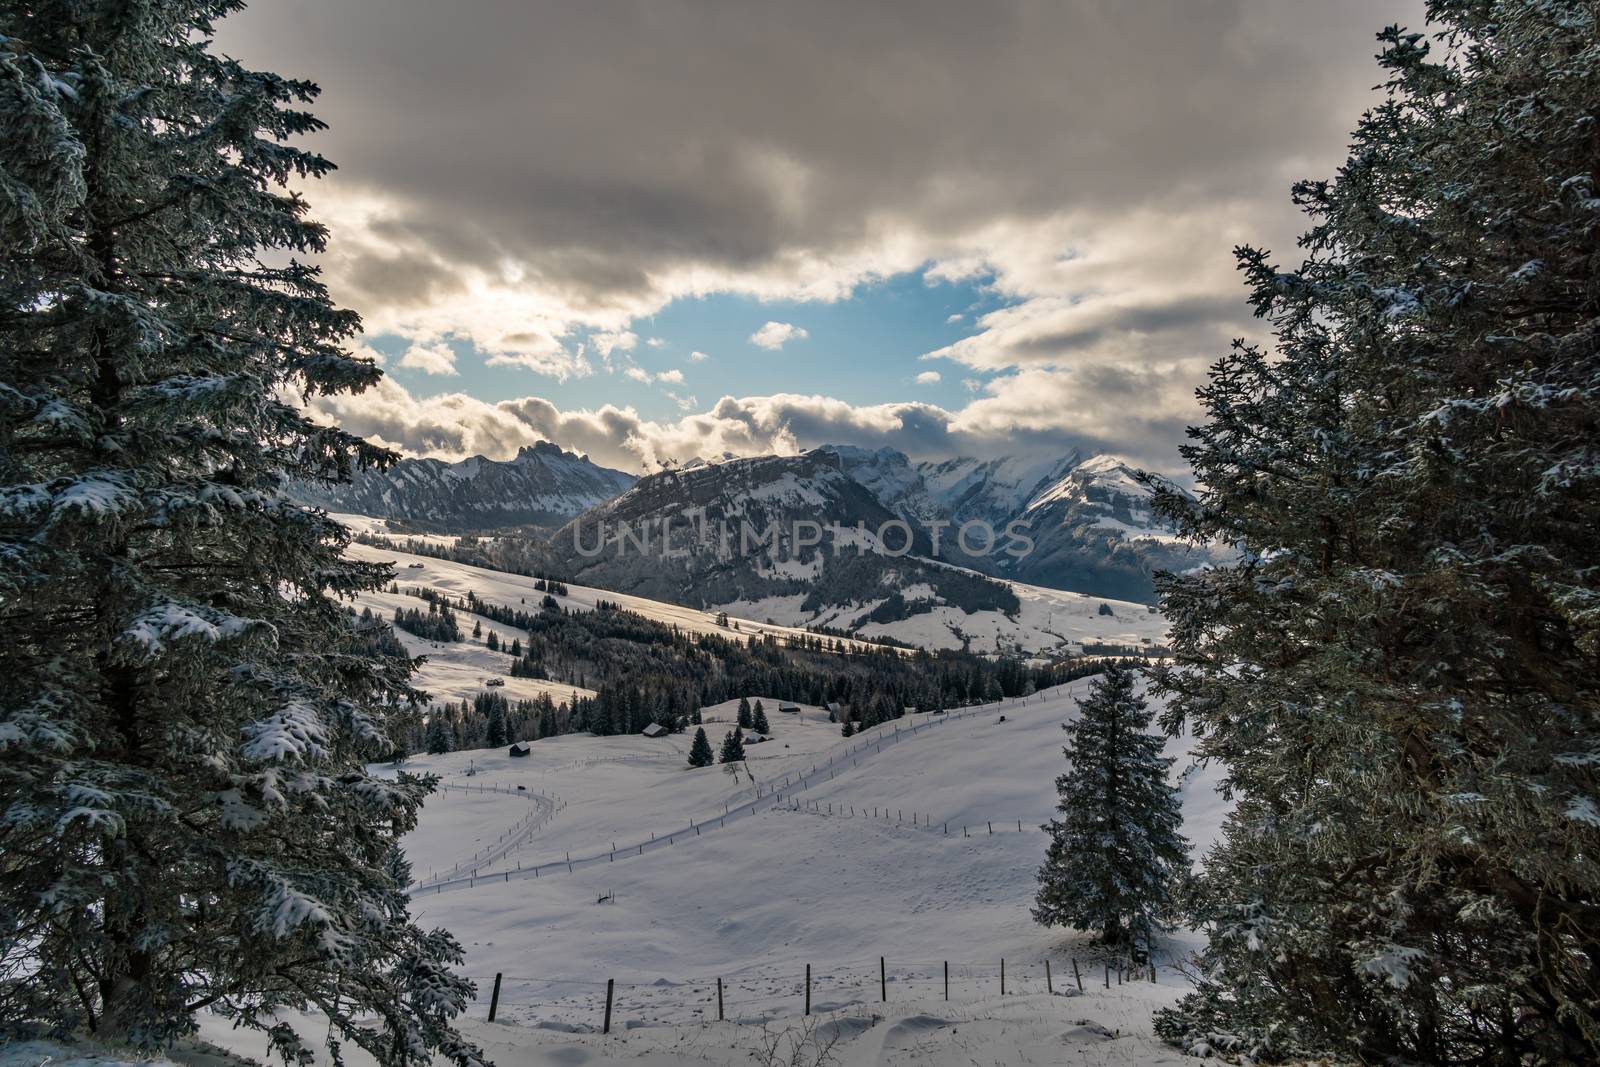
[455, 670]
[1051, 621]
[902, 843]
[375, 527]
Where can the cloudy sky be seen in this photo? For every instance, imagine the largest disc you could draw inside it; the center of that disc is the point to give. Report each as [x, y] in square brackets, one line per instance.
[655, 230]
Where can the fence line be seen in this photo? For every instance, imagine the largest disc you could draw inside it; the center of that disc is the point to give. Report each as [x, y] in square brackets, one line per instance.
[919, 821]
[545, 807]
[745, 996]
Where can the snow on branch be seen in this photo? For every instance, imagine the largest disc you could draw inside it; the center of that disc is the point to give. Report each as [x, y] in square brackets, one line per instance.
[295, 732]
[161, 624]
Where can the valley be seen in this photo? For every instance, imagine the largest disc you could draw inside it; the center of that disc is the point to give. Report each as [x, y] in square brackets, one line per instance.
[1047, 621]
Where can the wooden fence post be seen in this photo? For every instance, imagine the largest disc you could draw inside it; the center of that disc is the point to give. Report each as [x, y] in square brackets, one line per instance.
[494, 998]
[1108, 974]
[611, 986]
[1002, 976]
[883, 980]
[719, 1000]
[1049, 986]
[808, 989]
[947, 979]
[1076, 975]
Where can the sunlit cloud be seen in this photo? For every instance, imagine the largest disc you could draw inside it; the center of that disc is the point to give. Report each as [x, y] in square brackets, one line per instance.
[774, 335]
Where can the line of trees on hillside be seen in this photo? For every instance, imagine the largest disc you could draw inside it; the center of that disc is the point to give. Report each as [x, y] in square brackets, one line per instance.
[643, 671]
[438, 623]
[510, 554]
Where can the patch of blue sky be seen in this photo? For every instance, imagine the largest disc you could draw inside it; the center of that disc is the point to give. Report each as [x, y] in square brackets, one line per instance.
[863, 349]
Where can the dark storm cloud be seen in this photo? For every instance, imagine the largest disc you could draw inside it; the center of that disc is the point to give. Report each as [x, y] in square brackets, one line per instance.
[511, 171]
[602, 143]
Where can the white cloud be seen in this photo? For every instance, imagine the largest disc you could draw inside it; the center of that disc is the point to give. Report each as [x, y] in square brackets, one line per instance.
[685, 403]
[609, 341]
[698, 357]
[639, 374]
[957, 317]
[430, 359]
[454, 425]
[657, 342]
[928, 377]
[774, 335]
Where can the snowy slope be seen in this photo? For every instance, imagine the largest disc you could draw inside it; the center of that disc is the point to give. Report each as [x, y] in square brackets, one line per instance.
[455, 670]
[784, 884]
[515, 590]
[1049, 620]
[993, 490]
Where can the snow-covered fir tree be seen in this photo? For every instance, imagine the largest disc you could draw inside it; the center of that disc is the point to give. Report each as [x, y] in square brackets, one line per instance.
[1115, 852]
[1400, 673]
[758, 719]
[732, 746]
[495, 733]
[185, 816]
[700, 754]
[745, 721]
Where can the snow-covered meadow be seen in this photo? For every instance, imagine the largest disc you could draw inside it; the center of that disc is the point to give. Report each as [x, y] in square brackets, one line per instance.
[852, 864]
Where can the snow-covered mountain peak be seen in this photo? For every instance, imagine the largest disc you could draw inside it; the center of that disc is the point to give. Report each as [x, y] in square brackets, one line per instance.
[542, 485]
[1103, 477]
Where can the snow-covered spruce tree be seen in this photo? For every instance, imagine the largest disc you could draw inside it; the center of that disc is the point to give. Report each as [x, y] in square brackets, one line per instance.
[732, 746]
[700, 754]
[495, 729]
[185, 821]
[1400, 673]
[1115, 852]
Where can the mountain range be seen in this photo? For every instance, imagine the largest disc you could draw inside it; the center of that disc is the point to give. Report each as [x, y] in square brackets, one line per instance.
[1088, 519]
[541, 486]
[838, 535]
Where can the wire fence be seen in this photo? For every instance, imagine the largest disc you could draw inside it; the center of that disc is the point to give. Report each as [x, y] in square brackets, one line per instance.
[544, 809]
[918, 820]
[748, 802]
[756, 996]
